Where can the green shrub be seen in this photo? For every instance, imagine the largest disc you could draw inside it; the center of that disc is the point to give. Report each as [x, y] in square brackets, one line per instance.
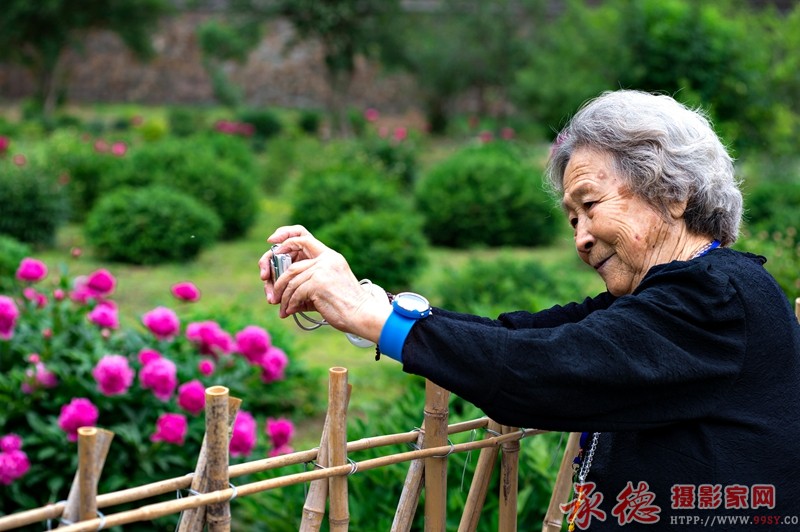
[153, 129]
[488, 287]
[199, 167]
[387, 247]
[34, 204]
[285, 159]
[485, 195]
[82, 167]
[267, 124]
[309, 121]
[150, 225]
[322, 196]
[12, 251]
[774, 206]
[185, 121]
[396, 157]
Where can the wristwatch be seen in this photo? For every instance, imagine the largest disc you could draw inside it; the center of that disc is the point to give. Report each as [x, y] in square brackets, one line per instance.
[408, 307]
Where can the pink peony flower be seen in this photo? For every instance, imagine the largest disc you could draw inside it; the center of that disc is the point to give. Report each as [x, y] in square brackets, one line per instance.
[148, 355]
[119, 149]
[44, 377]
[253, 342]
[104, 315]
[159, 375]
[273, 365]
[113, 375]
[278, 451]
[162, 322]
[31, 294]
[101, 283]
[19, 159]
[486, 136]
[10, 442]
[371, 114]
[400, 134]
[101, 146]
[170, 428]
[80, 412]
[58, 294]
[280, 431]
[31, 270]
[209, 337]
[4, 143]
[244, 435]
[13, 465]
[186, 291]
[8, 317]
[507, 133]
[206, 367]
[192, 397]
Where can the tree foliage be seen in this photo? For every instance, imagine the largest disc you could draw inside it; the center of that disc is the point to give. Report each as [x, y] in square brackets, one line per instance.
[36, 34]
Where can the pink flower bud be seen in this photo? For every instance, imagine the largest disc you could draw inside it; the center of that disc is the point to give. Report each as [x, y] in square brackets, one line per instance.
[101, 283]
[273, 365]
[205, 367]
[280, 431]
[186, 291]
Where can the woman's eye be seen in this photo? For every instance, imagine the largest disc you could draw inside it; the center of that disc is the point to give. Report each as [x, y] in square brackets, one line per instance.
[589, 204]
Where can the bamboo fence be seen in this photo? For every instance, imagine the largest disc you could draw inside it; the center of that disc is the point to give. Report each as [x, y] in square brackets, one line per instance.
[212, 490]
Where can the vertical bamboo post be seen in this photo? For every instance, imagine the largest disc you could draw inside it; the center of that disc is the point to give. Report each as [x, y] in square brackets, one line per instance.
[480, 484]
[339, 519]
[509, 479]
[412, 488]
[314, 507]
[554, 518]
[436, 415]
[797, 308]
[87, 440]
[218, 515]
[102, 443]
[194, 519]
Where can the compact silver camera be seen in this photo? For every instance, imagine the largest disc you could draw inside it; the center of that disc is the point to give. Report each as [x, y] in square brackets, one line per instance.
[280, 262]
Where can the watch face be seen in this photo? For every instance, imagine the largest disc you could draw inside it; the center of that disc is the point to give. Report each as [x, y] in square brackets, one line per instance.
[412, 305]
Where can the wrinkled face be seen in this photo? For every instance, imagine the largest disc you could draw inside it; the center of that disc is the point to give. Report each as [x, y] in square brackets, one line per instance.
[617, 233]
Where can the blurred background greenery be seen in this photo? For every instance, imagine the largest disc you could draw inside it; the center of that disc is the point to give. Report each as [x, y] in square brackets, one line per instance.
[450, 205]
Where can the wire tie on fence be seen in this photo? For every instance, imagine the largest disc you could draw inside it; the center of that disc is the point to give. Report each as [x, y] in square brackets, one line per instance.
[318, 466]
[102, 517]
[468, 458]
[235, 491]
[492, 432]
[413, 444]
[353, 466]
[524, 433]
[449, 451]
[50, 521]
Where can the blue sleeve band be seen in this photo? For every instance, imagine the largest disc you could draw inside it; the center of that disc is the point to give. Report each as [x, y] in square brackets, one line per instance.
[393, 336]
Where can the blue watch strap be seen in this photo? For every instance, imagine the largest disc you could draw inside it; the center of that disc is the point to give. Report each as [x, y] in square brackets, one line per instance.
[393, 335]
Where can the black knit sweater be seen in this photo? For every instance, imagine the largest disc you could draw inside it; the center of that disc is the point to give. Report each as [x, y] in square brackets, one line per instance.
[693, 382]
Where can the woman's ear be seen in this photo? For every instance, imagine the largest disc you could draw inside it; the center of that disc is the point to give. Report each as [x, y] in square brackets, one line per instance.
[677, 209]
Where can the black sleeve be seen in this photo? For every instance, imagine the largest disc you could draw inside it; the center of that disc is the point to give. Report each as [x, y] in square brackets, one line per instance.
[666, 353]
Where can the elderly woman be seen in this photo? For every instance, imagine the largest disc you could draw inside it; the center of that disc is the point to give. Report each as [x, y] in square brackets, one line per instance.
[684, 376]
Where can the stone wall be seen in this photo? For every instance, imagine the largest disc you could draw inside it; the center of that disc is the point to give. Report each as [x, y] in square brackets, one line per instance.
[274, 75]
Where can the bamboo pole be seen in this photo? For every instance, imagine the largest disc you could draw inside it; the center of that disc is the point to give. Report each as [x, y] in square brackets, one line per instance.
[480, 484]
[156, 510]
[412, 488]
[101, 446]
[339, 519]
[797, 308]
[314, 507]
[194, 520]
[87, 468]
[218, 515]
[509, 480]
[154, 489]
[554, 518]
[436, 414]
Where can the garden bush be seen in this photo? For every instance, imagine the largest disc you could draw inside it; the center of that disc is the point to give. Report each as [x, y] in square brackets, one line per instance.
[185, 121]
[82, 164]
[322, 195]
[387, 247]
[12, 251]
[309, 121]
[199, 167]
[782, 250]
[266, 123]
[150, 225]
[486, 195]
[68, 362]
[490, 286]
[35, 205]
[396, 155]
[773, 206]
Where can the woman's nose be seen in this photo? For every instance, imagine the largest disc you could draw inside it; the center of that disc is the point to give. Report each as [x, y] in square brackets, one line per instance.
[584, 240]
